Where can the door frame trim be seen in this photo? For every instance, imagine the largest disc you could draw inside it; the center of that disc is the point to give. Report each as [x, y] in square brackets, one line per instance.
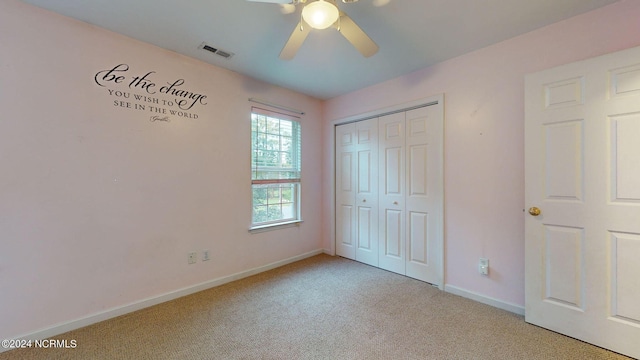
[411, 105]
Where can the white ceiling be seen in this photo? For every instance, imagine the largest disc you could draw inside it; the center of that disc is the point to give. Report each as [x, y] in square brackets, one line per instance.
[412, 34]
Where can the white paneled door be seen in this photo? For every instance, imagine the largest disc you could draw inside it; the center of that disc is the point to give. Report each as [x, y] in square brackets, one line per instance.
[582, 228]
[357, 191]
[389, 192]
[392, 193]
[411, 193]
[345, 138]
[424, 193]
[367, 192]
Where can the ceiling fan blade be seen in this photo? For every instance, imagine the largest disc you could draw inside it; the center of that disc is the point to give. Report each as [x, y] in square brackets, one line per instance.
[379, 3]
[273, 1]
[354, 34]
[295, 40]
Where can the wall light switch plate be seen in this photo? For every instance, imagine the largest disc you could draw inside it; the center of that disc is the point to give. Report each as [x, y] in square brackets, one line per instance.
[483, 266]
[192, 257]
[205, 255]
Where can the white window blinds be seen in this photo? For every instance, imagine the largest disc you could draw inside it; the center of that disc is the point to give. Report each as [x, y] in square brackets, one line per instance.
[275, 167]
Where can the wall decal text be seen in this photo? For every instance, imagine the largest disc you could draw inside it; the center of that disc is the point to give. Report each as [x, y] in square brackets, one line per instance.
[169, 98]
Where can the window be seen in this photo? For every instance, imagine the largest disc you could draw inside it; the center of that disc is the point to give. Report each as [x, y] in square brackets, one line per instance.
[275, 168]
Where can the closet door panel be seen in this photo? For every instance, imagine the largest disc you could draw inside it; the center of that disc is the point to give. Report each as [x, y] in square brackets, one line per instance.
[424, 197]
[392, 192]
[346, 175]
[366, 197]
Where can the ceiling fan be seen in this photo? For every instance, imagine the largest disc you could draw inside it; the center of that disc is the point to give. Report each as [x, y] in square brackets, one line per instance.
[322, 14]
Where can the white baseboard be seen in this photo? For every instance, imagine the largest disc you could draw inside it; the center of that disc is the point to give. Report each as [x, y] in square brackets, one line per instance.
[138, 305]
[517, 309]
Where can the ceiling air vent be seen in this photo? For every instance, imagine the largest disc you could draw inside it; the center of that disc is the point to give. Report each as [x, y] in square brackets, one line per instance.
[223, 53]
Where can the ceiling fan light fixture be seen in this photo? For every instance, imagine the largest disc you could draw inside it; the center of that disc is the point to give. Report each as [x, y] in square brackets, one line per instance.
[320, 14]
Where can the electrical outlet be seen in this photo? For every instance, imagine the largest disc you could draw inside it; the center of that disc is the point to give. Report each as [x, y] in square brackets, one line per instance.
[192, 257]
[483, 266]
[205, 255]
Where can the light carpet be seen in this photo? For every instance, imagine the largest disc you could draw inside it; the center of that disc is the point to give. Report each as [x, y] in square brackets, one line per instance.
[320, 308]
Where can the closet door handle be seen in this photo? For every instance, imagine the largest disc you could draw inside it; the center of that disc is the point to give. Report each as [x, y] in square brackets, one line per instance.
[364, 200]
[395, 203]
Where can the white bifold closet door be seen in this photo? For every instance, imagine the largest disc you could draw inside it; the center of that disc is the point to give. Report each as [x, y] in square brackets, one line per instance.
[389, 192]
[411, 193]
[357, 191]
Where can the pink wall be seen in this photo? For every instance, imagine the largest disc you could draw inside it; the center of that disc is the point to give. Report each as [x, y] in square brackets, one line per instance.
[99, 206]
[484, 134]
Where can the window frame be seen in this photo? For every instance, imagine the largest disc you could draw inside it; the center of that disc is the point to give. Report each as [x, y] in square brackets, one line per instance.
[267, 176]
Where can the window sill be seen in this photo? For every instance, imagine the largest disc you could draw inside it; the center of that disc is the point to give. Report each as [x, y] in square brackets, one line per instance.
[269, 227]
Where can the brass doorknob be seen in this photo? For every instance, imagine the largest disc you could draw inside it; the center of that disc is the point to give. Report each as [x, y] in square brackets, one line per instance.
[534, 211]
